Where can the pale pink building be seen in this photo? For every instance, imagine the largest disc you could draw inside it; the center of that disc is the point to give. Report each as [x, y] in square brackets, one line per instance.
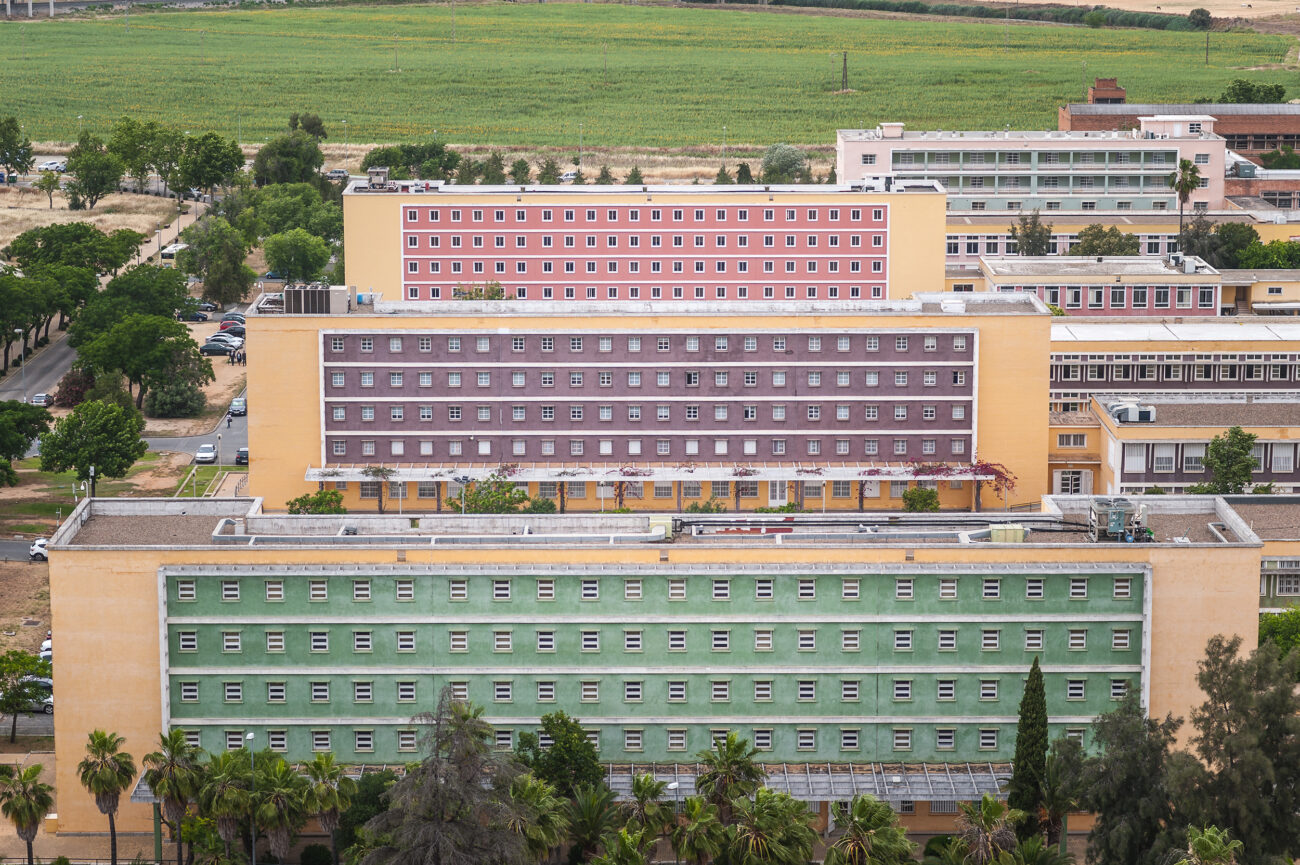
[1106, 286]
[1071, 172]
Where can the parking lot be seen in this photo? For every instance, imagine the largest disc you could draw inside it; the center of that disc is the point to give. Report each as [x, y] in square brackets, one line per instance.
[29, 725]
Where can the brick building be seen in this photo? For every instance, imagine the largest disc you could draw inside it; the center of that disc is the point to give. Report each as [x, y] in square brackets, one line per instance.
[1247, 129]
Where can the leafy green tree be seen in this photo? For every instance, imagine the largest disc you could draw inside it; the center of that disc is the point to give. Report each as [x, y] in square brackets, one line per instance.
[494, 169]
[430, 161]
[730, 773]
[173, 774]
[279, 208]
[149, 350]
[743, 173]
[521, 172]
[1243, 90]
[698, 837]
[871, 835]
[1284, 158]
[540, 506]
[16, 155]
[180, 397]
[165, 152]
[20, 425]
[723, 177]
[634, 177]
[771, 829]
[1184, 181]
[548, 173]
[1229, 460]
[94, 434]
[454, 806]
[495, 494]
[132, 142]
[26, 800]
[468, 171]
[1280, 629]
[74, 244]
[1234, 238]
[988, 829]
[1031, 235]
[1030, 762]
[920, 499]
[73, 386]
[625, 846]
[605, 177]
[1275, 254]
[309, 123]
[49, 183]
[95, 172]
[209, 160]
[216, 256]
[1127, 785]
[579, 179]
[1097, 239]
[1200, 19]
[783, 163]
[144, 290]
[297, 254]
[1095, 18]
[328, 795]
[592, 814]
[539, 816]
[319, 502]
[17, 690]
[569, 762]
[1210, 846]
[1247, 740]
[107, 772]
[646, 808]
[292, 158]
[367, 803]
[1058, 789]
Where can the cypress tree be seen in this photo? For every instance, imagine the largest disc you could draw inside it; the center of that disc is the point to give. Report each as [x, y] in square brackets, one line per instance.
[1024, 789]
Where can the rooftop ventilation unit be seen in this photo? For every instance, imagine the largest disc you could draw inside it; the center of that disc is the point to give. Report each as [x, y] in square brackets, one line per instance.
[1117, 520]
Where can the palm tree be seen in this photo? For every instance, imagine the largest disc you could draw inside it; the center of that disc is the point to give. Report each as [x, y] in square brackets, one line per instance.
[872, 835]
[172, 773]
[279, 805]
[106, 772]
[645, 808]
[1056, 799]
[944, 850]
[1208, 846]
[988, 828]
[591, 814]
[224, 795]
[1035, 851]
[1184, 181]
[698, 837]
[539, 816]
[329, 794]
[25, 800]
[730, 773]
[771, 829]
[625, 847]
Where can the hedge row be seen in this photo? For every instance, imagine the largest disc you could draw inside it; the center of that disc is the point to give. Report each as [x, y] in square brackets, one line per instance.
[1059, 14]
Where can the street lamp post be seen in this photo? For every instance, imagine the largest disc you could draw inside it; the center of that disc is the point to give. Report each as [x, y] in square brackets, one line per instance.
[673, 786]
[22, 360]
[462, 480]
[252, 786]
[218, 450]
[78, 125]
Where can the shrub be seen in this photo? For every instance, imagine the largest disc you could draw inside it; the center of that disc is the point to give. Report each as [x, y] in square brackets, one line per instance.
[316, 854]
[175, 399]
[73, 387]
[920, 500]
[319, 502]
[712, 506]
[1095, 18]
[540, 506]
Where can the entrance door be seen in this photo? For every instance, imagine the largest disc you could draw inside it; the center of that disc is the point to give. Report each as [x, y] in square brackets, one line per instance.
[777, 492]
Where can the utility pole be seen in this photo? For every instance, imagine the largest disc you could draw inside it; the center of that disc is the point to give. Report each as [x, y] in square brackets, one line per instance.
[604, 47]
[453, 20]
[128, 16]
[844, 75]
[1207, 47]
[724, 146]
[579, 146]
[395, 67]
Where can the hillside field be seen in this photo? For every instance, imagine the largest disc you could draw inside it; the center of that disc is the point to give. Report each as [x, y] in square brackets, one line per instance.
[530, 74]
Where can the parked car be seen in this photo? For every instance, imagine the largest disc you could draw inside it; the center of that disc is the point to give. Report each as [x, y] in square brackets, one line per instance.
[47, 645]
[38, 551]
[233, 316]
[337, 174]
[241, 457]
[47, 655]
[215, 348]
[568, 176]
[229, 339]
[227, 323]
[43, 399]
[193, 193]
[273, 276]
[233, 328]
[53, 165]
[191, 316]
[239, 406]
[44, 704]
[207, 453]
[207, 306]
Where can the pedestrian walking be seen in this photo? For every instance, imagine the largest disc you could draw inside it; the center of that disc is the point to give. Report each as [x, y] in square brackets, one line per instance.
[229, 419]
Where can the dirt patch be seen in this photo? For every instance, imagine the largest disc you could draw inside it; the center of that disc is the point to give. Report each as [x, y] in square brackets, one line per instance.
[24, 605]
[161, 477]
[22, 208]
[230, 380]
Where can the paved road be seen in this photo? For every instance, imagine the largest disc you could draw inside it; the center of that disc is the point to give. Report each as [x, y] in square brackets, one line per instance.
[232, 438]
[29, 725]
[14, 551]
[43, 372]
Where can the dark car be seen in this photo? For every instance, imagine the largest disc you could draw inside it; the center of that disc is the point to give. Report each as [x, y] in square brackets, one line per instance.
[192, 316]
[208, 306]
[215, 348]
[241, 457]
[233, 316]
[272, 275]
[234, 330]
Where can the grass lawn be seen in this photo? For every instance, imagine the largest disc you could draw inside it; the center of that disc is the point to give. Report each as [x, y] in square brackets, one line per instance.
[642, 76]
[206, 475]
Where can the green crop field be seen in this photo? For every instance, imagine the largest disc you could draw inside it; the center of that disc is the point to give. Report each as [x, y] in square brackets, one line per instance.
[531, 74]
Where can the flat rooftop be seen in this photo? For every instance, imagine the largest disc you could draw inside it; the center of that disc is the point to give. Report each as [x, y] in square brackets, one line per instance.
[1183, 109]
[240, 525]
[1183, 337]
[1273, 518]
[1245, 277]
[1066, 266]
[1045, 136]
[1201, 414]
[433, 188]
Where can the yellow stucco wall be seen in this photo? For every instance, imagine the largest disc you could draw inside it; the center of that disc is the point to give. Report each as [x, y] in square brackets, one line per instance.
[112, 676]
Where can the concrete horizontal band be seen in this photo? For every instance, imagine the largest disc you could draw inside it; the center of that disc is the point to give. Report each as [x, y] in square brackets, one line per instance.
[505, 620]
[701, 569]
[533, 670]
[638, 721]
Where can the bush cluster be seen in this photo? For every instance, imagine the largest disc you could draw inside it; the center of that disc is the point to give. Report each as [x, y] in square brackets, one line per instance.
[1058, 14]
